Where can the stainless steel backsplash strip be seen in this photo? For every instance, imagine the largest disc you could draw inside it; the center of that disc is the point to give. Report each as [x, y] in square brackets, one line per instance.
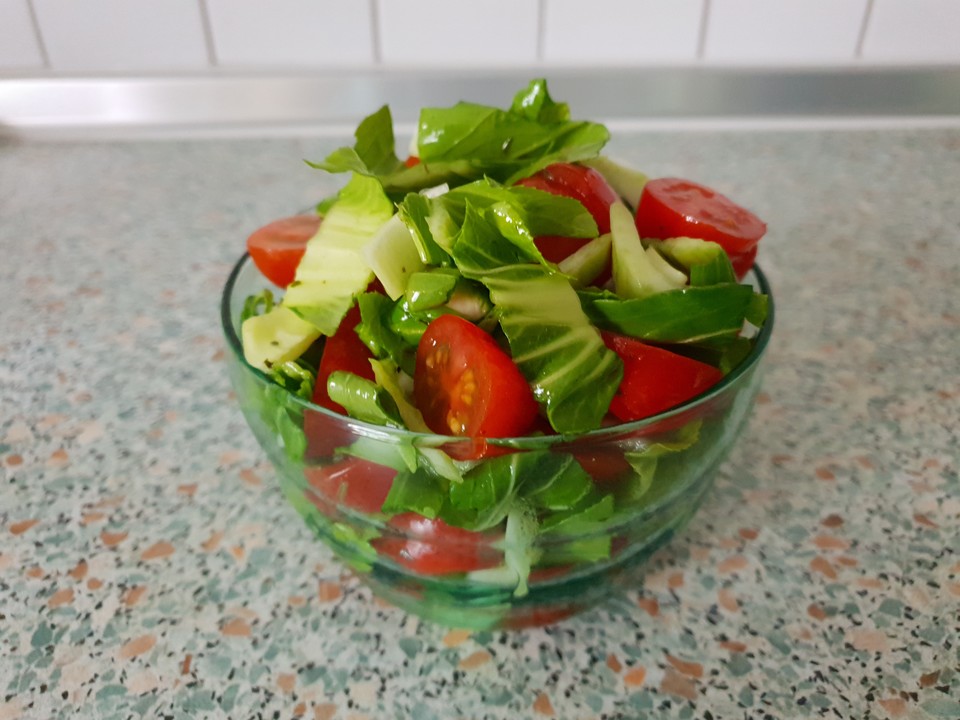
[230, 103]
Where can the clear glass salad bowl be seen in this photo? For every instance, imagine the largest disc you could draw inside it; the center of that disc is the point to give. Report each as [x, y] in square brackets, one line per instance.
[655, 473]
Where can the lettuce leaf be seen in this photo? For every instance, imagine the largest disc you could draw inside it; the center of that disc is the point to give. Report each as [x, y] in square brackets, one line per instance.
[691, 315]
[333, 270]
[468, 141]
[362, 399]
[572, 373]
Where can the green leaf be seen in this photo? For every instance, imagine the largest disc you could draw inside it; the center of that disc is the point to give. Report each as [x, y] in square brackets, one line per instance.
[519, 553]
[557, 483]
[580, 520]
[468, 141]
[480, 249]
[377, 331]
[685, 315]
[707, 263]
[540, 212]
[294, 377]
[373, 153]
[258, 304]
[758, 309]
[418, 492]
[430, 288]
[506, 145]
[362, 399]
[333, 269]
[572, 373]
[389, 377]
[400, 456]
[534, 103]
[487, 492]
[415, 212]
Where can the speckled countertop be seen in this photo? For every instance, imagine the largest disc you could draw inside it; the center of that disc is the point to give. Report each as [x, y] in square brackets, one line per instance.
[150, 567]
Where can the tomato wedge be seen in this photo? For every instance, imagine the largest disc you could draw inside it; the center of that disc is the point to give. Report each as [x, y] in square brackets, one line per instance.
[431, 547]
[355, 483]
[655, 379]
[465, 385]
[580, 183]
[341, 351]
[671, 207]
[276, 248]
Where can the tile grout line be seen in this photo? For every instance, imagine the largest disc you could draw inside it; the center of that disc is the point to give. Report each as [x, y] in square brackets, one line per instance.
[208, 32]
[702, 38]
[38, 35]
[864, 26]
[375, 32]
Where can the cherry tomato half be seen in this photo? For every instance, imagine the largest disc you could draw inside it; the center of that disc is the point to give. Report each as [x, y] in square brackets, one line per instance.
[655, 379]
[355, 483]
[431, 547]
[276, 248]
[465, 385]
[341, 351]
[580, 183]
[671, 207]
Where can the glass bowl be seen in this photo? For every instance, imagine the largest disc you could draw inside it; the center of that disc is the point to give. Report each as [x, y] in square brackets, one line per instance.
[649, 477]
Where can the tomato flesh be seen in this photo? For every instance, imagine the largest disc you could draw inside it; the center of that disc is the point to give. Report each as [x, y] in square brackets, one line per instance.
[465, 385]
[355, 483]
[341, 351]
[580, 183]
[655, 379]
[276, 248]
[431, 547]
[671, 207]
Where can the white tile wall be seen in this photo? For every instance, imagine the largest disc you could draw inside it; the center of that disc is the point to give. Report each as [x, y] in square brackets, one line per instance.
[122, 35]
[19, 47]
[291, 33]
[921, 31]
[783, 31]
[445, 33]
[158, 36]
[621, 32]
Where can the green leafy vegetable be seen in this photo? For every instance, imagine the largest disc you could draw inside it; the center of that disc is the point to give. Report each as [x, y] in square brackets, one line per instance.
[686, 315]
[572, 373]
[418, 492]
[333, 270]
[362, 399]
[259, 304]
[467, 141]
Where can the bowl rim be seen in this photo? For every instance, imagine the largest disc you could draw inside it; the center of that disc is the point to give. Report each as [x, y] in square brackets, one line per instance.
[525, 442]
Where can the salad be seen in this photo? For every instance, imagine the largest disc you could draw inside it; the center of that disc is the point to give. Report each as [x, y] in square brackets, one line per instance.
[506, 280]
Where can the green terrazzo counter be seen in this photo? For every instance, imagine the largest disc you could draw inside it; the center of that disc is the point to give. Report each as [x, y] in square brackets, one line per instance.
[150, 567]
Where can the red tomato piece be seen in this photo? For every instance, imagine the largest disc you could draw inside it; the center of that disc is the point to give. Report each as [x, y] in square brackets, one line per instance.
[411, 161]
[580, 183]
[341, 351]
[431, 547]
[742, 262]
[465, 385]
[670, 207]
[655, 379]
[605, 465]
[276, 248]
[534, 616]
[355, 483]
[344, 350]
[556, 248]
